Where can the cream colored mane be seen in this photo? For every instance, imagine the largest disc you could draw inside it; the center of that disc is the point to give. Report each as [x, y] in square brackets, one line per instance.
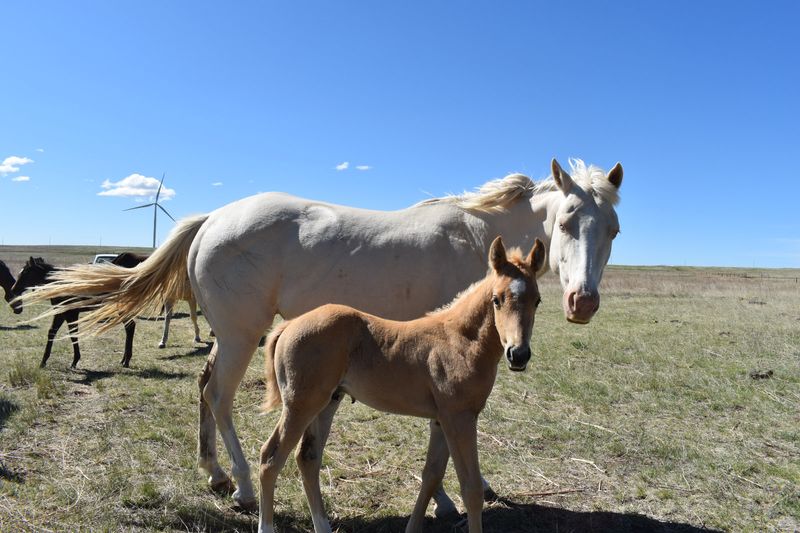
[496, 195]
[492, 196]
[591, 179]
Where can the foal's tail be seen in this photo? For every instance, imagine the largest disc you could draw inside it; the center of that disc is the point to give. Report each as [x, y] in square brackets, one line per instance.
[272, 398]
[116, 294]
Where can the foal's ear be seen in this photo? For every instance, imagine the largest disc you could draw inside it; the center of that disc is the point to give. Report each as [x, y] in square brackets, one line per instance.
[497, 254]
[562, 179]
[536, 257]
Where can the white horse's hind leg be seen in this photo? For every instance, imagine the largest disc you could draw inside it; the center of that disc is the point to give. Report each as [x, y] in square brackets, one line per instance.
[309, 460]
[167, 317]
[227, 370]
[207, 436]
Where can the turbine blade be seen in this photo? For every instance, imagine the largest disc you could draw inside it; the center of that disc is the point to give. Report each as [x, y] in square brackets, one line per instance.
[161, 183]
[138, 207]
[166, 212]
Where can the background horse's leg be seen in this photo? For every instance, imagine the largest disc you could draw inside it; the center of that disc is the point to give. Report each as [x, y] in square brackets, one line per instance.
[193, 314]
[167, 317]
[461, 431]
[309, 460]
[72, 324]
[233, 356]
[432, 474]
[130, 329]
[51, 334]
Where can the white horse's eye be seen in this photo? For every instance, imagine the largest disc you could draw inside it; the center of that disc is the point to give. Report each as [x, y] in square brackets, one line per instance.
[562, 227]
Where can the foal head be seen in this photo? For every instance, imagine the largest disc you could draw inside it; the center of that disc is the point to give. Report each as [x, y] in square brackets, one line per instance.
[515, 297]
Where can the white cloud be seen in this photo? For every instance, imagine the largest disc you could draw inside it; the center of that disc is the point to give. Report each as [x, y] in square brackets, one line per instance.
[40, 150]
[343, 166]
[363, 167]
[12, 163]
[135, 186]
[21, 178]
[217, 184]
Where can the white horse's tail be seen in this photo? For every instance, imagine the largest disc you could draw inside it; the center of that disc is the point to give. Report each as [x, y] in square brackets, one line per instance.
[272, 397]
[116, 294]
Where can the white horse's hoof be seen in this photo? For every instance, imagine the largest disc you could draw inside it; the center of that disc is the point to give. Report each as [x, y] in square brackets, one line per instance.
[198, 340]
[445, 510]
[222, 486]
[162, 345]
[249, 505]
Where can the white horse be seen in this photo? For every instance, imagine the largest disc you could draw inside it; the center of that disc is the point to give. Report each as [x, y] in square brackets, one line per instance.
[278, 254]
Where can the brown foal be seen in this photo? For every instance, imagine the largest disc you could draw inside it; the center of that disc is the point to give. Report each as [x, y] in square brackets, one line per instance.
[441, 367]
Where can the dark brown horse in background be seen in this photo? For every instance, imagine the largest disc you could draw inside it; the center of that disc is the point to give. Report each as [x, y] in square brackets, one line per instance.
[7, 281]
[36, 272]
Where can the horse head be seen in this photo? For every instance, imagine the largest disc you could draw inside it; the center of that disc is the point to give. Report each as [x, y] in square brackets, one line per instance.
[515, 297]
[7, 281]
[34, 273]
[583, 228]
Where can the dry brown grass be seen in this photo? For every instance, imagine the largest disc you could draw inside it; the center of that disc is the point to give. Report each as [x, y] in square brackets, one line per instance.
[647, 419]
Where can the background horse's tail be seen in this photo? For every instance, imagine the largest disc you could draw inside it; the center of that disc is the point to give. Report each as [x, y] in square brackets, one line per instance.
[272, 398]
[116, 294]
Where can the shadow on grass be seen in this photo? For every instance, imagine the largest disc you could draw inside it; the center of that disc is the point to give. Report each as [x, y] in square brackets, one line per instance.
[196, 352]
[155, 373]
[88, 377]
[7, 408]
[10, 475]
[506, 518]
[18, 327]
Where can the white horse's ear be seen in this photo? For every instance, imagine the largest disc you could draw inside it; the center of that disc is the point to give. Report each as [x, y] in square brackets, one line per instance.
[562, 179]
[536, 257]
[497, 254]
[615, 175]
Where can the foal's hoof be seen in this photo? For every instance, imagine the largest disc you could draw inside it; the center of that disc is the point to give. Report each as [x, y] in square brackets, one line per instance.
[223, 486]
[198, 340]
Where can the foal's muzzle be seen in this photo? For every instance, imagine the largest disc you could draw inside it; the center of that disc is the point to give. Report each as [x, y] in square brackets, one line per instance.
[518, 357]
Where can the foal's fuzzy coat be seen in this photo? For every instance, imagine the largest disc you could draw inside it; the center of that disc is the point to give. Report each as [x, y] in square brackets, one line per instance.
[441, 366]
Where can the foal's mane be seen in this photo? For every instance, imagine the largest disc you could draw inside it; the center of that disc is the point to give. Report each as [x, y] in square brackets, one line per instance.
[497, 195]
[515, 257]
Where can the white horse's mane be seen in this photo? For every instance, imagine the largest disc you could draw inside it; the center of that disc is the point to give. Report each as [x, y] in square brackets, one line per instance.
[591, 179]
[498, 194]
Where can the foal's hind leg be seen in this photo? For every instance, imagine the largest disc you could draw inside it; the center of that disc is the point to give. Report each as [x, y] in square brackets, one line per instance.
[309, 460]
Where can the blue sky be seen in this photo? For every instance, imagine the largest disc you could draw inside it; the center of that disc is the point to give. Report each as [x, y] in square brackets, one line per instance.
[698, 100]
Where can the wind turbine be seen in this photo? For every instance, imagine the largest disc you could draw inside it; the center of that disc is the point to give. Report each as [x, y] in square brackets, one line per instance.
[156, 207]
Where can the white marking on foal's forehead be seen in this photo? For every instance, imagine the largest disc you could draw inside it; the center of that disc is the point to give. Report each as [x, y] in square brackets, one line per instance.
[517, 287]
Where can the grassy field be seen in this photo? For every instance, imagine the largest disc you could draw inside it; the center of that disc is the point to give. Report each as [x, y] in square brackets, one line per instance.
[676, 409]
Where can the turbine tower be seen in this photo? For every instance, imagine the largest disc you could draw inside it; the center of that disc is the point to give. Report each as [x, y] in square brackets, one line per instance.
[156, 207]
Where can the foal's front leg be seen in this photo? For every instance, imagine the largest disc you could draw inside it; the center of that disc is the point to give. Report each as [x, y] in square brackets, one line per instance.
[432, 474]
[461, 432]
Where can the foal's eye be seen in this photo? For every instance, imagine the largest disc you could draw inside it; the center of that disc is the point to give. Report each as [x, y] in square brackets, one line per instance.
[496, 301]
